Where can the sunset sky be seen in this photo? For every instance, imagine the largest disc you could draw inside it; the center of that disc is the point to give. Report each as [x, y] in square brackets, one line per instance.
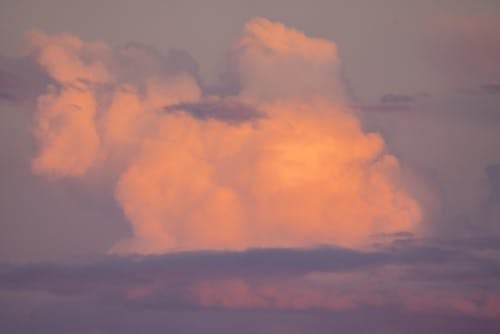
[279, 166]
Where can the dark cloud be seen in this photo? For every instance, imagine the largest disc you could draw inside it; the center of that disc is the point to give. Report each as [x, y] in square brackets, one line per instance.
[113, 275]
[7, 81]
[490, 208]
[228, 110]
[389, 103]
[154, 294]
[190, 266]
[381, 107]
[7, 97]
[136, 62]
[493, 174]
[396, 98]
[179, 60]
[21, 79]
[491, 88]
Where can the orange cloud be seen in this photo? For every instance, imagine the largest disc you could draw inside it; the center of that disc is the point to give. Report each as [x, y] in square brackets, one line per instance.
[274, 62]
[299, 178]
[64, 124]
[339, 294]
[302, 175]
[239, 294]
[69, 60]
[66, 132]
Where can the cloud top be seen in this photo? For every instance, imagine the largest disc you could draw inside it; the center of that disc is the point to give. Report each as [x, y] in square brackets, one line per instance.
[283, 163]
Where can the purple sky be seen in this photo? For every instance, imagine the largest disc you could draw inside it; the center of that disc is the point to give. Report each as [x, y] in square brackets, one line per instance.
[266, 166]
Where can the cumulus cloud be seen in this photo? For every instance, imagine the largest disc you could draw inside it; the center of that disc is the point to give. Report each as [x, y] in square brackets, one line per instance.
[65, 126]
[277, 62]
[284, 163]
[21, 80]
[69, 60]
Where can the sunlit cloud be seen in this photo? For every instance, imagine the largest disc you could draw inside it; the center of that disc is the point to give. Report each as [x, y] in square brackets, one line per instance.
[284, 163]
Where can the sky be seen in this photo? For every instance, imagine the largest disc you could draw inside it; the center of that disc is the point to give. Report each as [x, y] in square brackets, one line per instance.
[265, 166]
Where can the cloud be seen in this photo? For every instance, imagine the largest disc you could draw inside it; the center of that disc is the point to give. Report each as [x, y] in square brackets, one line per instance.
[285, 163]
[69, 60]
[396, 98]
[382, 107]
[429, 277]
[21, 80]
[6, 82]
[277, 62]
[65, 118]
[491, 88]
[228, 110]
[7, 97]
[136, 62]
[66, 131]
[490, 208]
[389, 103]
[493, 174]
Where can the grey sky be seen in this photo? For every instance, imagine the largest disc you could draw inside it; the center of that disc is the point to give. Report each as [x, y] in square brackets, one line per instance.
[385, 45]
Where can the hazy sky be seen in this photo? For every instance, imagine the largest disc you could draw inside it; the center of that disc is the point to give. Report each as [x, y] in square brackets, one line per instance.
[292, 166]
[403, 46]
